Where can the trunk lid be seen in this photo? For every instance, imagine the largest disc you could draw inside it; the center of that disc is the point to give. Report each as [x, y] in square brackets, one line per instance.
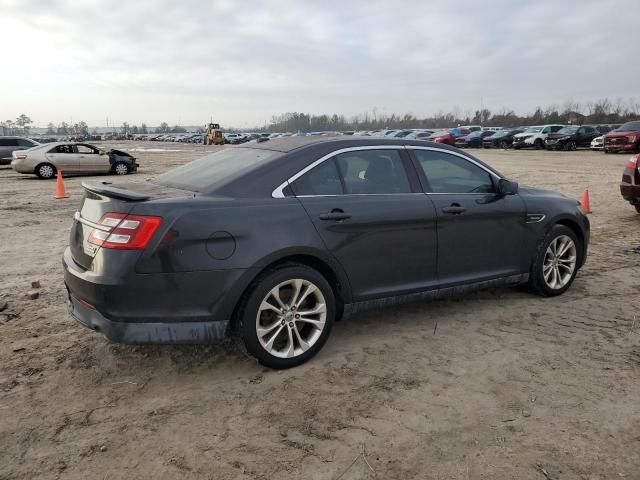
[102, 198]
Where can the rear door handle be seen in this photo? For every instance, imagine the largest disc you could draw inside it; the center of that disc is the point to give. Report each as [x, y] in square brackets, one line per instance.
[454, 209]
[335, 214]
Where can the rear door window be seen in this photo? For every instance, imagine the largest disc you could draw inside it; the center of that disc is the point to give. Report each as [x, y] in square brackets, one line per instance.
[360, 172]
[323, 179]
[62, 149]
[8, 142]
[368, 172]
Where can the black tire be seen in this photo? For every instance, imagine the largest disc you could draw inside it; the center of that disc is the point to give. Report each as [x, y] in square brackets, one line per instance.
[538, 145]
[504, 145]
[537, 283]
[637, 207]
[605, 150]
[121, 168]
[571, 146]
[45, 171]
[638, 147]
[250, 308]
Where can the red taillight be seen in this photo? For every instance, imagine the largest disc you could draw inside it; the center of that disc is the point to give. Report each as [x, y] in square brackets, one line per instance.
[127, 232]
[633, 162]
[21, 156]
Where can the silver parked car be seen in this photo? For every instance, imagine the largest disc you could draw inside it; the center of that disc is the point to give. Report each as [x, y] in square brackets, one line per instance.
[46, 160]
[8, 145]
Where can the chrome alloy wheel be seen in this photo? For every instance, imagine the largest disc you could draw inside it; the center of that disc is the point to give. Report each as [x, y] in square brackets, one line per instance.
[121, 169]
[291, 318]
[559, 262]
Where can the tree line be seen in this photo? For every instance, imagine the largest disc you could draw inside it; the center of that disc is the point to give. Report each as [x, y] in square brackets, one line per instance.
[602, 111]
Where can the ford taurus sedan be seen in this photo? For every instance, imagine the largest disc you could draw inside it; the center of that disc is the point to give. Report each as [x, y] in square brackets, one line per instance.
[74, 158]
[276, 240]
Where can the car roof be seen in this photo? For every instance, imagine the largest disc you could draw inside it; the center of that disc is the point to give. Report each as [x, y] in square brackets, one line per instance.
[290, 144]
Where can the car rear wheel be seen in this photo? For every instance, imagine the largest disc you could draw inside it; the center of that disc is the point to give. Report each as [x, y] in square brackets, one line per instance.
[504, 145]
[45, 171]
[287, 316]
[120, 168]
[538, 145]
[556, 263]
[571, 146]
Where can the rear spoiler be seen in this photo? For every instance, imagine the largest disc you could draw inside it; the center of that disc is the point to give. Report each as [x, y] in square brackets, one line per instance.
[105, 188]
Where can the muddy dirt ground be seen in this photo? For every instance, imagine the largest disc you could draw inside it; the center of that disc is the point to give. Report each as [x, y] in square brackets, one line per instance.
[508, 386]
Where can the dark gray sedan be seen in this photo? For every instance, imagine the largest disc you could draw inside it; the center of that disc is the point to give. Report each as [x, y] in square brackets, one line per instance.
[276, 240]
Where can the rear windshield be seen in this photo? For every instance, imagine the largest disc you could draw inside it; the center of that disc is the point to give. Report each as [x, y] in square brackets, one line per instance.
[216, 169]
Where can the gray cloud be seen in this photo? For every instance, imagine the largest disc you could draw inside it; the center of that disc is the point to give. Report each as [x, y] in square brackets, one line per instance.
[244, 61]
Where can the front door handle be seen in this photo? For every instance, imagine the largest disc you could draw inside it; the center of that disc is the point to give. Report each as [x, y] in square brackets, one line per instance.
[335, 214]
[454, 209]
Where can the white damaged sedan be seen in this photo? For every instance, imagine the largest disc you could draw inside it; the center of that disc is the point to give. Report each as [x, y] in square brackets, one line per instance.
[72, 158]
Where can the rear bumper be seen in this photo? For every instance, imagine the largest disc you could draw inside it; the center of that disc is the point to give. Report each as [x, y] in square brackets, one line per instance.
[139, 333]
[180, 307]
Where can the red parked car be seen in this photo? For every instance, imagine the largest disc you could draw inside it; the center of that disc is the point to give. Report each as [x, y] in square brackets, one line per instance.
[630, 185]
[449, 136]
[623, 139]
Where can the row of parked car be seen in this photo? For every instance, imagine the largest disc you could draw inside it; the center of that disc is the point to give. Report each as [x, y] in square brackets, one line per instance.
[609, 138]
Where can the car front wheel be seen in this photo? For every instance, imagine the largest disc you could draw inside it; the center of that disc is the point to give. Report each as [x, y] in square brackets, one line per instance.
[120, 168]
[556, 263]
[287, 316]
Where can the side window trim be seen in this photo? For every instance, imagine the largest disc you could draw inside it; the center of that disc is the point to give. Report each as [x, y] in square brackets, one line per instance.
[279, 191]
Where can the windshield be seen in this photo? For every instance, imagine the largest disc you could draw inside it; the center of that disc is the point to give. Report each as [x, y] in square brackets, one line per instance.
[501, 133]
[568, 130]
[533, 130]
[215, 169]
[440, 133]
[629, 127]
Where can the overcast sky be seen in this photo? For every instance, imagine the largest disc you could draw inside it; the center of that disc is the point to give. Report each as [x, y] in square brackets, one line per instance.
[243, 61]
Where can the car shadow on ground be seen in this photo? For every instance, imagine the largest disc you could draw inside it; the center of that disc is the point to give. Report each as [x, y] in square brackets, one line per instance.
[230, 352]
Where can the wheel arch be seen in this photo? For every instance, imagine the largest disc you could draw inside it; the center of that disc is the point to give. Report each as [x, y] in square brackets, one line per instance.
[574, 226]
[316, 259]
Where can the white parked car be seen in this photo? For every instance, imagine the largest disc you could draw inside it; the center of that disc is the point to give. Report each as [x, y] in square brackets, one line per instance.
[534, 137]
[597, 143]
[45, 160]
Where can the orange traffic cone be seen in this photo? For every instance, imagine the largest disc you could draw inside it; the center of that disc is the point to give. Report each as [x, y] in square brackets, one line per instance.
[60, 190]
[586, 207]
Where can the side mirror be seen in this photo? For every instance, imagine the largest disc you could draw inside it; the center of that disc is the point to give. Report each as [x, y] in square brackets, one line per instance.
[507, 187]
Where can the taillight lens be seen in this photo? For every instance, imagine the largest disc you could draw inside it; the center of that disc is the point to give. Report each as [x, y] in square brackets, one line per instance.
[633, 162]
[20, 156]
[128, 232]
